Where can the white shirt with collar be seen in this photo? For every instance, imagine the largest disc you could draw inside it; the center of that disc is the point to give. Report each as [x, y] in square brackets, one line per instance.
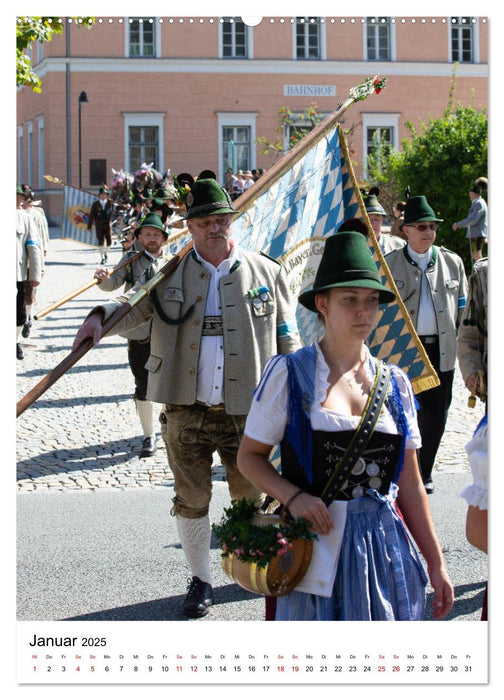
[426, 320]
[211, 358]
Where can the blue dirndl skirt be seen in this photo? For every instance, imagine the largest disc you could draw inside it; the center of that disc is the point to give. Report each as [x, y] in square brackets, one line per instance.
[380, 575]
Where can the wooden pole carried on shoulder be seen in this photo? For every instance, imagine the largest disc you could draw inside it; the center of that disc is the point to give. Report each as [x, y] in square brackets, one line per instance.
[83, 288]
[86, 345]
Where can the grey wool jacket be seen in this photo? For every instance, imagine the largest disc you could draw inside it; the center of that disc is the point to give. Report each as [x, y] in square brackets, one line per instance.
[447, 282]
[253, 330]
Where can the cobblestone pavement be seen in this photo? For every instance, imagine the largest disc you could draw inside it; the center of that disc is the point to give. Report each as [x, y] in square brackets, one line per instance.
[83, 432]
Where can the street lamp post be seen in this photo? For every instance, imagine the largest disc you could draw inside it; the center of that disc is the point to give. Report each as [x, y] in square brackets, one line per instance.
[82, 98]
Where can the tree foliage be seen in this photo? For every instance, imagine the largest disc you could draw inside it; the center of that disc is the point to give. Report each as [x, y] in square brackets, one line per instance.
[41, 29]
[442, 162]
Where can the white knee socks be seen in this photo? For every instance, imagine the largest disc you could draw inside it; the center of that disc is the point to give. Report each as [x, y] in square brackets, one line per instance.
[145, 411]
[194, 534]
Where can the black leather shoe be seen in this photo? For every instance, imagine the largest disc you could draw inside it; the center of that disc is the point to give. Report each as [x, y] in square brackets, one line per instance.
[148, 447]
[429, 486]
[19, 352]
[26, 329]
[198, 599]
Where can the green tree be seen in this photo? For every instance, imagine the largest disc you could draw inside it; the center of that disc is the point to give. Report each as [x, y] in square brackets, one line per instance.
[442, 162]
[41, 29]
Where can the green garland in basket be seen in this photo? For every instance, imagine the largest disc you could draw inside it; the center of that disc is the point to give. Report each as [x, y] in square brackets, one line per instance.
[239, 535]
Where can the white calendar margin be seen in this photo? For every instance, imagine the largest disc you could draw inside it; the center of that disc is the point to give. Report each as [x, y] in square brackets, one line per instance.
[279, 653]
[425, 635]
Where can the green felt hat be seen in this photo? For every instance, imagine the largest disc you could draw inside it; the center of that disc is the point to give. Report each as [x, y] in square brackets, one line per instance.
[151, 220]
[346, 262]
[418, 209]
[208, 197]
[373, 206]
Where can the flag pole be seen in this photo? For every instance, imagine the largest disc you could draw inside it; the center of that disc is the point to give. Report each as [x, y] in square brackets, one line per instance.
[83, 288]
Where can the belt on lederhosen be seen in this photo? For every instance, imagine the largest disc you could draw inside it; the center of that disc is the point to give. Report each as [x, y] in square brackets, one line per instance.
[428, 339]
[199, 405]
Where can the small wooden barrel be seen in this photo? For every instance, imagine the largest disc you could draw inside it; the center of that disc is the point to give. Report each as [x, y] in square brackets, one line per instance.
[279, 577]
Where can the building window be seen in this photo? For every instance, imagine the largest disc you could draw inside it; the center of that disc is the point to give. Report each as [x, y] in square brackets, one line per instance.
[308, 38]
[380, 134]
[20, 154]
[142, 37]
[30, 154]
[236, 148]
[302, 124]
[143, 146]
[41, 163]
[235, 38]
[237, 133]
[378, 39]
[462, 40]
[379, 138]
[143, 140]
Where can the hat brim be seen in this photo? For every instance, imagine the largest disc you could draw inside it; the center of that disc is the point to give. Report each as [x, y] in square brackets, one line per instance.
[307, 299]
[209, 212]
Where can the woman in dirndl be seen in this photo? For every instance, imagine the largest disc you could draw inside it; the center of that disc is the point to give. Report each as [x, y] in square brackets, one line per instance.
[364, 565]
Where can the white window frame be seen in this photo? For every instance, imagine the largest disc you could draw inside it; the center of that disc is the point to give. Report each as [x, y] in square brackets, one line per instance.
[475, 43]
[393, 43]
[20, 145]
[157, 37]
[29, 159]
[378, 121]
[249, 34]
[231, 119]
[144, 119]
[40, 151]
[322, 40]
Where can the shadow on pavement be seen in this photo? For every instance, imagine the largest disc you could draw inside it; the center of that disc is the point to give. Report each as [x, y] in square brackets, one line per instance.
[468, 599]
[166, 608]
[69, 460]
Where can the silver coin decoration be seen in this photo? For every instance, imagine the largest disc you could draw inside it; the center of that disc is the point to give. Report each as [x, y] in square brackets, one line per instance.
[375, 482]
[373, 469]
[359, 467]
[357, 492]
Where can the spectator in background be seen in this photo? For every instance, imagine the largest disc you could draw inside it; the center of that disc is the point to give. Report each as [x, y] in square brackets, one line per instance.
[396, 229]
[476, 223]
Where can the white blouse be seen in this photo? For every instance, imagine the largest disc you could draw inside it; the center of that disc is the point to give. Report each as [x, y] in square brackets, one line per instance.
[267, 418]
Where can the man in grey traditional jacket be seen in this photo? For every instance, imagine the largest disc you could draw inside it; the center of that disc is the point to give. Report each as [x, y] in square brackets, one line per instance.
[433, 286]
[216, 320]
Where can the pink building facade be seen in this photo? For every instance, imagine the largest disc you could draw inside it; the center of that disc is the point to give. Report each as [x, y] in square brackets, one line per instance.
[194, 93]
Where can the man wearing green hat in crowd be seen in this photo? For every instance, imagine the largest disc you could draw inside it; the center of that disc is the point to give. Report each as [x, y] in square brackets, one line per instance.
[151, 235]
[433, 285]
[100, 215]
[376, 214]
[216, 320]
